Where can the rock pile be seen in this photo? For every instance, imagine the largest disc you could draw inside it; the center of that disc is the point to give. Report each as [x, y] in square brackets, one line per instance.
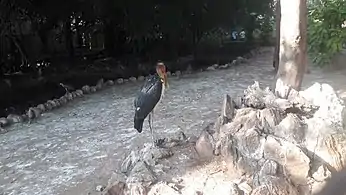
[280, 146]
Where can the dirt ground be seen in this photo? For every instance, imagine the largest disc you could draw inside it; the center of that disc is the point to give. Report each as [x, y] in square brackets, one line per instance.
[75, 148]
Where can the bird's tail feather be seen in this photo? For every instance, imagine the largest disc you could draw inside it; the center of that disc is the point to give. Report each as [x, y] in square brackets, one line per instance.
[138, 124]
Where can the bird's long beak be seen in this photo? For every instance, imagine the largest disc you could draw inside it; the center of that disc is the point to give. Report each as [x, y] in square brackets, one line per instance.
[165, 80]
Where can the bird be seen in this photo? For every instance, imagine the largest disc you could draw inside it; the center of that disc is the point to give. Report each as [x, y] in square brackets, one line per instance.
[148, 97]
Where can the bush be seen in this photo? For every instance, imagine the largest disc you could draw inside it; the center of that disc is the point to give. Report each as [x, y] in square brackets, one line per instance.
[326, 33]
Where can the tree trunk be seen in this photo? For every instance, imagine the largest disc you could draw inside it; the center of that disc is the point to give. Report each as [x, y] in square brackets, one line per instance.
[293, 52]
[68, 38]
[276, 57]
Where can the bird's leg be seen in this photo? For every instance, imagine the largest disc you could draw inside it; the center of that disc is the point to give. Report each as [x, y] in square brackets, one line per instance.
[151, 128]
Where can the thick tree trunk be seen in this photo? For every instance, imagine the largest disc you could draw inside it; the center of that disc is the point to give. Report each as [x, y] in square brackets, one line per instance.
[293, 52]
[276, 57]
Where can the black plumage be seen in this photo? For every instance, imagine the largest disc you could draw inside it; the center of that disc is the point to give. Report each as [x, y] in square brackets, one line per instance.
[147, 98]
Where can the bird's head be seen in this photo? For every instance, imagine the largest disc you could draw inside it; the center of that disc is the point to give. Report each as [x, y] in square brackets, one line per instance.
[161, 71]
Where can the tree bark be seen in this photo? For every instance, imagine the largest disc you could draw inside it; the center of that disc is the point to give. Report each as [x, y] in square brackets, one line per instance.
[276, 57]
[293, 52]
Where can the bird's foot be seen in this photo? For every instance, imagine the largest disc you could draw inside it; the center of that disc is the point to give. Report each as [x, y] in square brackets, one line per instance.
[159, 142]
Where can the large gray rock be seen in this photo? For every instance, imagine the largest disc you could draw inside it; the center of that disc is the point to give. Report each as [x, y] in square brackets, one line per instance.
[283, 142]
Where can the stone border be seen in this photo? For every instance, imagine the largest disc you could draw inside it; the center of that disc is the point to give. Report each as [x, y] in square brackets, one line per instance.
[35, 112]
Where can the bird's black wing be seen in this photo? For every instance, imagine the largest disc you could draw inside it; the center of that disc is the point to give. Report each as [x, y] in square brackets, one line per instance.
[148, 97]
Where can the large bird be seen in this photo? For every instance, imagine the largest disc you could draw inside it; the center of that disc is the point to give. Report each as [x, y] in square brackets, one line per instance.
[148, 97]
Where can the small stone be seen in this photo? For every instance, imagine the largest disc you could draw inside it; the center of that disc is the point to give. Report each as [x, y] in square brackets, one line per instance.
[216, 66]
[126, 80]
[163, 188]
[86, 89]
[48, 106]
[34, 112]
[99, 84]
[321, 174]
[110, 83]
[52, 103]
[14, 118]
[245, 187]
[133, 79]
[204, 145]
[120, 81]
[240, 59]
[225, 66]
[93, 89]
[234, 62]
[210, 68]
[41, 107]
[141, 78]
[63, 100]
[117, 188]
[99, 188]
[178, 73]
[235, 190]
[4, 122]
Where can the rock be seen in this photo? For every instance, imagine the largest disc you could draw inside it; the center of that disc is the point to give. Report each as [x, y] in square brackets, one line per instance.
[240, 59]
[322, 173]
[69, 96]
[33, 113]
[41, 107]
[216, 66]
[169, 73]
[48, 106]
[52, 103]
[74, 95]
[79, 93]
[275, 186]
[137, 189]
[63, 100]
[235, 190]
[133, 79]
[244, 188]
[293, 159]
[93, 89]
[228, 109]
[126, 80]
[178, 73]
[99, 84]
[120, 81]
[205, 146]
[110, 83]
[234, 62]
[225, 66]
[291, 128]
[163, 188]
[117, 188]
[14, 118]
[141, 78]
[86, 89]
[4, 122]
[99, 188]
[210, 68]
[148, 154]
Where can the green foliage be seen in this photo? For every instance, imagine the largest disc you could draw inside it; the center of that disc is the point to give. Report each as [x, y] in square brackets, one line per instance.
[326, 35]
[129, 26]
